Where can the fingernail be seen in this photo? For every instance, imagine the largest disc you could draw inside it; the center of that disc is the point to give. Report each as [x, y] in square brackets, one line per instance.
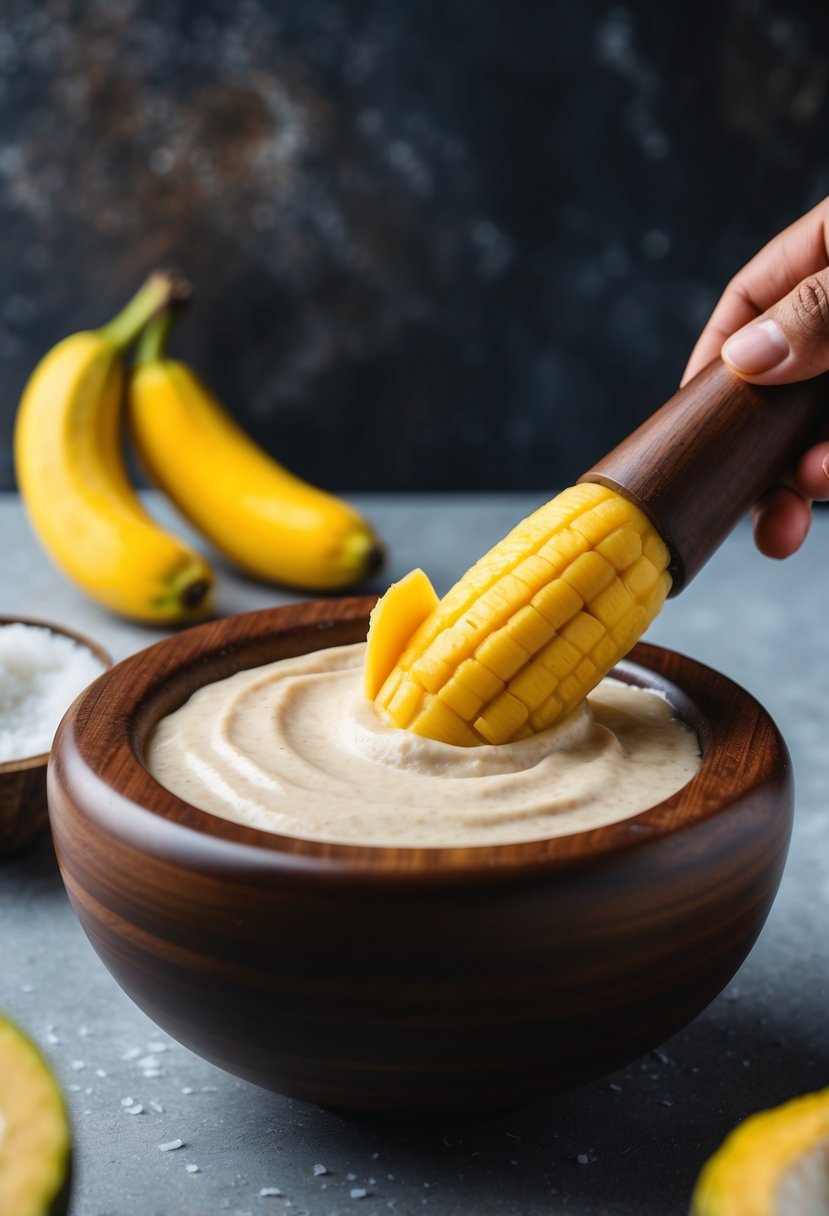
[824, 464]
[757, 348]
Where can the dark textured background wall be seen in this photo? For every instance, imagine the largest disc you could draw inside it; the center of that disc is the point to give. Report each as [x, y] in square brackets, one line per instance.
[442, 245]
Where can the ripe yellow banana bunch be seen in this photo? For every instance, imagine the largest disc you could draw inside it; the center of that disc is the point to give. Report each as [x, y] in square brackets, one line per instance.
[74, 483]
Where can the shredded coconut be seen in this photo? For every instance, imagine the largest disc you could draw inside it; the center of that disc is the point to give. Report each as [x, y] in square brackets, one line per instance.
[41, 673]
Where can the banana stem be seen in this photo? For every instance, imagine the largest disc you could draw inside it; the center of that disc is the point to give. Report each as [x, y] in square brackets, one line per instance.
[152, 344]
[160, 290]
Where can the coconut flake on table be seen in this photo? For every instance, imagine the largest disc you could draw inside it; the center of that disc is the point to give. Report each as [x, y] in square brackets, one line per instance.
[41, 673]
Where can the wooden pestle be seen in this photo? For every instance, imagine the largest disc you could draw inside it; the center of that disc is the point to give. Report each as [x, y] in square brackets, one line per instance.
[697, 465]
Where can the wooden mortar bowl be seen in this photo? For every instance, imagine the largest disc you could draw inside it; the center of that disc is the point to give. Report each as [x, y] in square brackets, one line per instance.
[409, 980]
[23, 812]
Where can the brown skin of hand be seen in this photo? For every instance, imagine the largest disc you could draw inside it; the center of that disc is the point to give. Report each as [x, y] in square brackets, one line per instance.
[766, 286]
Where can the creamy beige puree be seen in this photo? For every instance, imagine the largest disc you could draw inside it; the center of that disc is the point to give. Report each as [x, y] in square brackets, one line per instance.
[295, 748]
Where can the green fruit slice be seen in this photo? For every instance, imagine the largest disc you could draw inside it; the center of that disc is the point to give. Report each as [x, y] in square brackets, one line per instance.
[34, 1131]
[774, 1164]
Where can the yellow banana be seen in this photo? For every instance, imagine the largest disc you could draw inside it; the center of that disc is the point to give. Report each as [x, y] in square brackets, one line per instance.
[73, 481]
[262, 517]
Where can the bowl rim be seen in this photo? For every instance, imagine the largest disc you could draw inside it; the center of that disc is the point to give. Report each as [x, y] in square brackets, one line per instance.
[97, 762]
[24, 763]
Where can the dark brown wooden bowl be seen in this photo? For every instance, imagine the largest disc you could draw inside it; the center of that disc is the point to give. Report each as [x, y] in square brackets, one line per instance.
[395, 979]
[23, 812]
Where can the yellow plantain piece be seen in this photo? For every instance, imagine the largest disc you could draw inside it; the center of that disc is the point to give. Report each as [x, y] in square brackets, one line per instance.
[525, 634]
[773, 1164]
[72, 478]
[259, 515]
[394, 619]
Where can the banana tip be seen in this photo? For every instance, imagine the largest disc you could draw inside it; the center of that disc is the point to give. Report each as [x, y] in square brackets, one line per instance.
[194, 594]
[375, 559]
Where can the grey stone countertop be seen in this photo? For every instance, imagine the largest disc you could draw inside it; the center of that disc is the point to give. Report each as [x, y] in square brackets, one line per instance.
[627, 1145]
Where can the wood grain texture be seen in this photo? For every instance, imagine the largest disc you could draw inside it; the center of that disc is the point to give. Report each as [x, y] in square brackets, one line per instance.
[23, 809]
[698, 464]
[408, 980]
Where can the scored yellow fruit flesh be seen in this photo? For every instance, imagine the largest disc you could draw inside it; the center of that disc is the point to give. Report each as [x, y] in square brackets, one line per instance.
[775, 1163]
[525, 634]
[393, 620]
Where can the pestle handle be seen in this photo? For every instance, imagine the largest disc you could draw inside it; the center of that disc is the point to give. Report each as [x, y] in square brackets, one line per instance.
[698, 464]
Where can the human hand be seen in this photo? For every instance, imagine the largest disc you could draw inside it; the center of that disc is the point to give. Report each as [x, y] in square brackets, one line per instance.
[771, 326]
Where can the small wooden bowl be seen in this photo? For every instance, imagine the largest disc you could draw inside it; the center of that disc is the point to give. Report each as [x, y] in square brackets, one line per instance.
[23, 812]
[408, 980]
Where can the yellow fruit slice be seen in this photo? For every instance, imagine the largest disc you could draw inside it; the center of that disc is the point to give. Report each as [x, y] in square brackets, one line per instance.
[34, 1131]
[776, 1163]
[394, 619]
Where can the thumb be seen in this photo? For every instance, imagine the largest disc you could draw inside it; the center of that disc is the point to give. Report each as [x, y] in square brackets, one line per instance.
[789, 342]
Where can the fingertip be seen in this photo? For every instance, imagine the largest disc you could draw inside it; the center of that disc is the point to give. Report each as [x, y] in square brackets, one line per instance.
[781, 521]
[812, 473]
[689, 373]
[787, 372]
